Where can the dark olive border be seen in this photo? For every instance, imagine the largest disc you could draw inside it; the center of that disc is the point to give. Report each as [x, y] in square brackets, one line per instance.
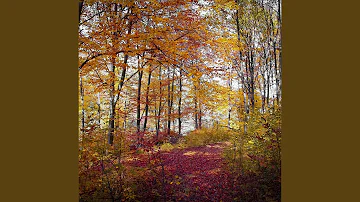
[39, 101]
[319, 103]
[39, 97]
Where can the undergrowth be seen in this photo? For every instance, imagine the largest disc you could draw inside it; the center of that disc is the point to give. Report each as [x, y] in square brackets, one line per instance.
[206, 136]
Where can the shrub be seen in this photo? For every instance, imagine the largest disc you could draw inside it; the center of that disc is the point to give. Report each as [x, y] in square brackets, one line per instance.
[166, 147]
[206, 136]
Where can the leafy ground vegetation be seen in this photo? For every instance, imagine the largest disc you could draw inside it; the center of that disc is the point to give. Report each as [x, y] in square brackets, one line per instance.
[180, 100]
[207, 165]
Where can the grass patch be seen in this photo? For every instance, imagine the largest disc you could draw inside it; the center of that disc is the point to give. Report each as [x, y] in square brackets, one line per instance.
[206, 136]
[166, 147]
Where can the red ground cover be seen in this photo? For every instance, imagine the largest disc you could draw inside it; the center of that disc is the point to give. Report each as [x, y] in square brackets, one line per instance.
[191, 174]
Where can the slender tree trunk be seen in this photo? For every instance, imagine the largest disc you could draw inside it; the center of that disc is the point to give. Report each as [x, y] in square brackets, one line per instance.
[179, 104]
[279, 11]
[280, 49]
[200, 117]
[170, 101]
[263, 75]
[252, 81]
[111, 128]
[82, 105]
[268, 86]
[275, 62]
[138, 115]
[147, 100]
[268, 70]
[229, 97]
[81, 5]
[263, 99]
[246, 112]
[99, 110]
[111, 124]
[196, 108]
[276, 74]
[244, 83]
[112, 103]
[267, 58]
[160, 107]
[172, 96]
[196, 116]
[125, 113]
[114, 100]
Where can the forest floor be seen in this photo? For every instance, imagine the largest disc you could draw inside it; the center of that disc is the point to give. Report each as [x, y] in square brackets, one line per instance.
[191, 174]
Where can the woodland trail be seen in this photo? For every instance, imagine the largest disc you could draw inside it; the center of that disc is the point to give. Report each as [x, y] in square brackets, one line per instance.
[194, 174]
[200, 169]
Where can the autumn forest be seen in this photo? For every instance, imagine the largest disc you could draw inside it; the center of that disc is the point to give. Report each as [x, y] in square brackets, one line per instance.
[179, 100]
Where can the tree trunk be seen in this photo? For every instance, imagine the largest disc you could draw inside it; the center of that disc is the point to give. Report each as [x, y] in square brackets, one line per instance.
[252, 81]
[82, 105]
[268, 88]
[263, 104]
[280, 49]
[200, 117]
[160, 107]
[99, 110]
[276, 74]
[147, 100]
[229, 98]
[169, 99]
[138, 117]
[179, 104]
[81, 5]
[196, 108]
[112, 103]
[244, 83]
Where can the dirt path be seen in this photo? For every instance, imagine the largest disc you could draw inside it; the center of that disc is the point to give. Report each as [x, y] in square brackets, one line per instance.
[190, 174]
[200, 171]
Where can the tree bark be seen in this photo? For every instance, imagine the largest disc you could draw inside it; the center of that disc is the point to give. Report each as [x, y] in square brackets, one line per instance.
[81, 4]
[99, 110]
[114, 100]
[160, 107]
[138, 115]
[179, 104]
[82, 105]
[280, 50]
[147, 100]
[112, 104]
[196, 108]
[229, 98]
[252, 81]
[169, 104]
